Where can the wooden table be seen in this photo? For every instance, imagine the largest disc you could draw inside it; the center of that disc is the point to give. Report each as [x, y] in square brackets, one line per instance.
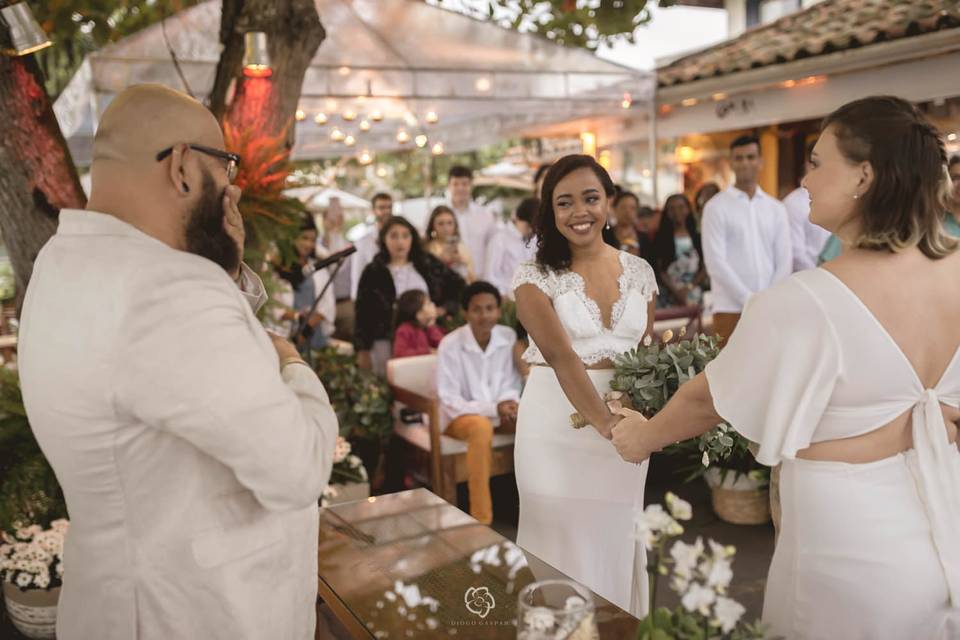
[399, 566]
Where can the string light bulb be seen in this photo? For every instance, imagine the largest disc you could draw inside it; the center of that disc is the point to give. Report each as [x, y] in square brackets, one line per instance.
[376, 115]
[320, 118]
[421, 141]
[403, 137]
[437, 149]
[300, 115]
[337, 135]
[364, 125]
[349, 141]
[349, 115]
[432, 117]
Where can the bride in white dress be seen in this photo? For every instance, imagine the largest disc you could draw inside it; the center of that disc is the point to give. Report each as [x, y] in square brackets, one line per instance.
[850, 376]
[583, 303]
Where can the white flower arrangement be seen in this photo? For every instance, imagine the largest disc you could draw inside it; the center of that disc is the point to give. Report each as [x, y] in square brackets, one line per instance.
[347, 467]
[701, 575]
[32, 558]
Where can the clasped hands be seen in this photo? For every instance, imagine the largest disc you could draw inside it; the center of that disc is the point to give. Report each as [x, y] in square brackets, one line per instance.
[632, 436]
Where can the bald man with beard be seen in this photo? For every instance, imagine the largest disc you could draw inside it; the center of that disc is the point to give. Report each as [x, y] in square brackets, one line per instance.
[191, 446]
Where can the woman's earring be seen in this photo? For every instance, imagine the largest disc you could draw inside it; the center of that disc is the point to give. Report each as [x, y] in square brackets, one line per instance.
[856, 196]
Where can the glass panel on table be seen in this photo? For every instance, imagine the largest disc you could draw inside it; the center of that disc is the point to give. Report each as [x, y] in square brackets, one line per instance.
[409, 565]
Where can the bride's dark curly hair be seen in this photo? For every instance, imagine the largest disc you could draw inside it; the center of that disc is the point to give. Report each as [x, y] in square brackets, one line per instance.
[553, 250]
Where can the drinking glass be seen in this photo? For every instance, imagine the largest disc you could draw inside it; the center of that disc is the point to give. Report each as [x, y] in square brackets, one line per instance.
[556, 610]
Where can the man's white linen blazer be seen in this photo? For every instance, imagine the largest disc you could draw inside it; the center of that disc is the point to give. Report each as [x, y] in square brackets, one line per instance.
[191, 464]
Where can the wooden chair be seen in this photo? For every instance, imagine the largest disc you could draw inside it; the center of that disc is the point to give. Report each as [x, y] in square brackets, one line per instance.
[434, 458]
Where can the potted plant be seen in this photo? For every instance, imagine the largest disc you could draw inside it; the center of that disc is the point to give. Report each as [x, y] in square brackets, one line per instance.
[31, 567]
[30, 497]
[648, 376]
[362, 402]
[348, 480]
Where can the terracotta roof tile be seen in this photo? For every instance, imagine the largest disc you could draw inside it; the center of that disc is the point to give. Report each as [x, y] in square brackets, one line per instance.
[832, 25]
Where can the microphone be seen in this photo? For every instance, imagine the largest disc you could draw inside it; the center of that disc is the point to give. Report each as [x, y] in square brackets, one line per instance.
[333, 258]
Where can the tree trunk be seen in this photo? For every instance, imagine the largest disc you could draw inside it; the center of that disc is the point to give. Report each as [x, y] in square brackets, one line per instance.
[294, 34]
[37, 174]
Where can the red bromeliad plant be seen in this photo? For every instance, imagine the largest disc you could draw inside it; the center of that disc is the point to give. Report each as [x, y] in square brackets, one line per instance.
[270, 216]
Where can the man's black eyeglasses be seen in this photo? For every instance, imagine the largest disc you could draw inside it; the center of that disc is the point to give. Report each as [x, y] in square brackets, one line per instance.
[232, 159]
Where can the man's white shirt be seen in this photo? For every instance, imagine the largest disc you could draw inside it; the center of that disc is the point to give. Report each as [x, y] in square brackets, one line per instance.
[506, 252]
[477, 225]
[473, 381]
[368, 246]
[807, 239]
[746, 246]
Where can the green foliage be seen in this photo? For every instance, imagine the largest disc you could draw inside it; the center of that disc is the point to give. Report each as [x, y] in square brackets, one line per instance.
[570, 22]
[79, 27]
[361, 399]
[29, 491]
[681, 625]
[650, 374]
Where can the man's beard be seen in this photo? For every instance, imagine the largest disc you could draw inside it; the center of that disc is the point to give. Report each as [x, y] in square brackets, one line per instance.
[205, 233]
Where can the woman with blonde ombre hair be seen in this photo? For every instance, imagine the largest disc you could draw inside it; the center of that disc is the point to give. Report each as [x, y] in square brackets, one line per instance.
[849, 376]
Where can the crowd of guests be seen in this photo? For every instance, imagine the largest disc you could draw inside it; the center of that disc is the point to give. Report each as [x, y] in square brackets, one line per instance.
[401, 294]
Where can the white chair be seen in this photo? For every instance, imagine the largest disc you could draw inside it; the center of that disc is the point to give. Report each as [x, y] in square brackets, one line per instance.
[438, 458]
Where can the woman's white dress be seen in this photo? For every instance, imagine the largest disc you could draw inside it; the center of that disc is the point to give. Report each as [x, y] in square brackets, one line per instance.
[866, 551]
[577, 496]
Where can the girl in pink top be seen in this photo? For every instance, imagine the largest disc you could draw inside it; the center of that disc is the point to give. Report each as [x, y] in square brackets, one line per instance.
[417, 333]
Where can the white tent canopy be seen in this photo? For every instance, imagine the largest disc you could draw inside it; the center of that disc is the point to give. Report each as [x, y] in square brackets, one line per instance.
[320, 197]
[402, 58]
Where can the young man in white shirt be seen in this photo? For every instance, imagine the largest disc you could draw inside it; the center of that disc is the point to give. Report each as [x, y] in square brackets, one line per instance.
[478, 387]
[511, 246]
[746, 238]
[368, 245]
[476, 222]
[807, 238]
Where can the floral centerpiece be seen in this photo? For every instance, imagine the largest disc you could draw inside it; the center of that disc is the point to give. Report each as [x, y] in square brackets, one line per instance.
[700, 574]
[31, 568]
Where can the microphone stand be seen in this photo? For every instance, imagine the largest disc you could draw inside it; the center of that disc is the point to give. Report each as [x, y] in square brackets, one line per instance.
[305, 349]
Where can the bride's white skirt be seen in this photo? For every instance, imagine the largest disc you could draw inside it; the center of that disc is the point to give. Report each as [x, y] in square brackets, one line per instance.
[855, 558]
[577, 496]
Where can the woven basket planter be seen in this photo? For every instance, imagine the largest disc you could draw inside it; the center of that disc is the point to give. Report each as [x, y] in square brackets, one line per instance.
[34, 611]
[739, 500]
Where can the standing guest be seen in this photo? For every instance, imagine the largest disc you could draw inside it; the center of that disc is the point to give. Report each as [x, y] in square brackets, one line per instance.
[807, 239]
[677, 255]
[512, 245]
[302, 283]
[746, 238]
[626, 210]
[647, 224]
[417, 333]
[367, 245]
[334, 240]
[831, 375]
[702, 197]
[476, 222]
[192, 447]
[402, 265]
[443, 241]
[478, 388]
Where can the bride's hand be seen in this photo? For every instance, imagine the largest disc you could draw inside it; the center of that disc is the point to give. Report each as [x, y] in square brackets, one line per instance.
[632, 437]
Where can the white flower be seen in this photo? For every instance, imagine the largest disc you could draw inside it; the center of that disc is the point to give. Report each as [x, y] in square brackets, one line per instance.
[698, 598]
[352, 460]
[720, 574]
[721, 551]
[24, 534]
[686, 556]
[647, 340]
[60, 526]
[652, 522]
[42, 580]
[727, 613]
[573, 602]
[679, 584]
[60, 570]
[679, 509]
[705, 460]
[24, 580]
[539, 619]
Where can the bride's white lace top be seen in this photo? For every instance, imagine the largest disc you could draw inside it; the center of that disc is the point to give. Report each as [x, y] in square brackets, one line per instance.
[580, 315]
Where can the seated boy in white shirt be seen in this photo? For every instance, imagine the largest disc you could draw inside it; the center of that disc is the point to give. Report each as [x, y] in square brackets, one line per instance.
[478, 387]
